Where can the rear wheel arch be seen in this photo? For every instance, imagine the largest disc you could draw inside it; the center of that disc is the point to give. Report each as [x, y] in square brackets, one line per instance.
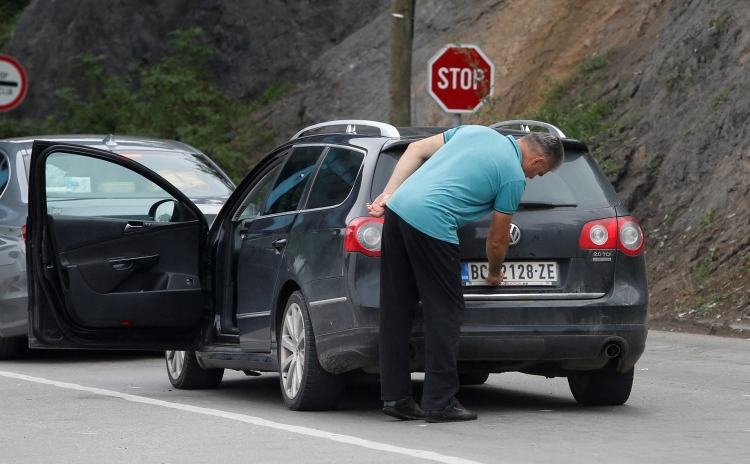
[289, 287]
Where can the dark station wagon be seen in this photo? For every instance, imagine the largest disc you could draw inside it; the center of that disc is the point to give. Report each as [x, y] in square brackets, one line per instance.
[287, 278]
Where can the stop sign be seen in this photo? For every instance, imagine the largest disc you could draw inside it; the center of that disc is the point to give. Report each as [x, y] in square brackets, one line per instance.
[459, 77]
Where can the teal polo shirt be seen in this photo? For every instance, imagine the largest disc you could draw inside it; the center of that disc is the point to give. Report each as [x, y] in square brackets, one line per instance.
[476, 171]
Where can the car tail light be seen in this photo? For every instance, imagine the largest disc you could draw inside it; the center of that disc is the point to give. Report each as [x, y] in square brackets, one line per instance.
[622, 233]
[23, 233]
[630, 236]
[599, 235]
[364, 235]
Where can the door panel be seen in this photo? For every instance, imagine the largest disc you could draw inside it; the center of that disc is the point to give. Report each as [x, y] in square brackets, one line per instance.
[128, 276]
[103, 273]
[261, 256]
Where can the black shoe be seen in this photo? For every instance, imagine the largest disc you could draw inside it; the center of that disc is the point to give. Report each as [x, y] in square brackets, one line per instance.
[454, 412]
[404, 409]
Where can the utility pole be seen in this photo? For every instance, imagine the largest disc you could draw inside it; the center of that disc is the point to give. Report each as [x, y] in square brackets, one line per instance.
[402, 33]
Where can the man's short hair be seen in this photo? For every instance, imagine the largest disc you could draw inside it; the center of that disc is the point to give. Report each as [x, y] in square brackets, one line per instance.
[547, 145]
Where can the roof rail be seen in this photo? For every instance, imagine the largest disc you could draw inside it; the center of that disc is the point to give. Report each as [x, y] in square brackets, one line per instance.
[386, 130]
[527, 123]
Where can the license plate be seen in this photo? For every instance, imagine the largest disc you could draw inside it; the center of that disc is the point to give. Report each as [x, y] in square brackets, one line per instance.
[516, 273]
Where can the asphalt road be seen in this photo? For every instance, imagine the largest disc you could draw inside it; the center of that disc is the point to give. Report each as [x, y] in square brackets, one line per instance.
[690, 404]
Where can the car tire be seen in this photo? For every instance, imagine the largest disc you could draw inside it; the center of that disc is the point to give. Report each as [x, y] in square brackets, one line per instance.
[466, 379]
[601, 387]
[305, 385]
[185, 373]
[11, 347]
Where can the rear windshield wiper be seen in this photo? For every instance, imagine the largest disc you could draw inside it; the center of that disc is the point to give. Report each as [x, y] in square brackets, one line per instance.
[543, 204]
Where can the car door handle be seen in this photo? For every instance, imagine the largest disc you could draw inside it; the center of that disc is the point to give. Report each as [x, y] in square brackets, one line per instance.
[140, 262]
[133, 225]
[279, 244]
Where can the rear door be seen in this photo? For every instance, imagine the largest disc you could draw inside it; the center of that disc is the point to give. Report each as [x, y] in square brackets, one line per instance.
[263, 251]
[115, 256]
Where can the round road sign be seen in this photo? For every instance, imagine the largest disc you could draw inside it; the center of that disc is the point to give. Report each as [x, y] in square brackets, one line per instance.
[460, 77]
[13, 83]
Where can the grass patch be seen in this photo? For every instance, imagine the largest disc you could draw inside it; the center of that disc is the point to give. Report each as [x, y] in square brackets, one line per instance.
[718, 100]
[568, 104]
[652, 162]
[707, 220]
[721, 23]
[701, 269]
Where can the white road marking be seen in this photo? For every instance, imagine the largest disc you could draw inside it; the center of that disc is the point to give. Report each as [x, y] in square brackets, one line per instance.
[415, 453]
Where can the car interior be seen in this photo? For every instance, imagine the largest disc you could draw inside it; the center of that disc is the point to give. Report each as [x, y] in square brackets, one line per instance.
[137, 271]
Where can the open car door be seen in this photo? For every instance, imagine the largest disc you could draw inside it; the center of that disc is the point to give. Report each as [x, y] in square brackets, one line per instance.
[116, 254]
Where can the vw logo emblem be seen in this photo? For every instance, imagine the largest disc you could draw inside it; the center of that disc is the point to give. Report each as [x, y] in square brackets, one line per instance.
[515, 234]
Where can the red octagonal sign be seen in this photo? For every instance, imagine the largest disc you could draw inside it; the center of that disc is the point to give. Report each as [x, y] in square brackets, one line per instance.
[460, 77]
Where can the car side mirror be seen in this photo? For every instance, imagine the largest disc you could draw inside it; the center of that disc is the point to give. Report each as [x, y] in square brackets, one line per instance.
[163, 210]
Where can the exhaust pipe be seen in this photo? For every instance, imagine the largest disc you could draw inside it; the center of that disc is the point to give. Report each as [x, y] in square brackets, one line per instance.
[612, 350]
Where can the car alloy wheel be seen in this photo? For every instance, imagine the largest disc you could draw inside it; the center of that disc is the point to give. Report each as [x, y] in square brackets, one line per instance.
[305, 385]
[175, 363]
[186, 373]
[292, 350]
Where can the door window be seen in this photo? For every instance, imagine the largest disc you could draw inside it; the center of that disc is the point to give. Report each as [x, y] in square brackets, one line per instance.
[290, 185]
[335, 177]
[253, 201]
[83, 186]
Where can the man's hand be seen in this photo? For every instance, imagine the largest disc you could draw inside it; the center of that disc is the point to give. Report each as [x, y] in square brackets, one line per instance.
[414, 156]
[498, 239]
[495, 280]
[377, 207]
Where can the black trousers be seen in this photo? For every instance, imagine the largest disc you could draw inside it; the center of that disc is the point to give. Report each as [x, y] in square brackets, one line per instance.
[414, 267]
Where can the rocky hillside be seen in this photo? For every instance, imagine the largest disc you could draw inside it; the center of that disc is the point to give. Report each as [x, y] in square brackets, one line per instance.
[257, 42]
[672, 74]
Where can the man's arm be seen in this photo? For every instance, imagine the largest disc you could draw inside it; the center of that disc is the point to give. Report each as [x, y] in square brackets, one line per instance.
[414, 156]
[498, 239]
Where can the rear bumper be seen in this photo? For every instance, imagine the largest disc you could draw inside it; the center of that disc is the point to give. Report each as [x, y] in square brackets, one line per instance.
[528, 334]
[533, 338]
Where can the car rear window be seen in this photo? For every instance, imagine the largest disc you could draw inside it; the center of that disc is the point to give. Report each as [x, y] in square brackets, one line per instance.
[579, 182]
[335, 178]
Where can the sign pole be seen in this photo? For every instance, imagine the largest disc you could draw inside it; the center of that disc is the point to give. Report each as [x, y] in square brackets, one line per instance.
[456, 119]
[402, 32]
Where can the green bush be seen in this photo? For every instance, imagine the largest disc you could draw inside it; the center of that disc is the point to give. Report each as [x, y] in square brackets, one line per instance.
[174, 98]
[10, 12]
[568, 104]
